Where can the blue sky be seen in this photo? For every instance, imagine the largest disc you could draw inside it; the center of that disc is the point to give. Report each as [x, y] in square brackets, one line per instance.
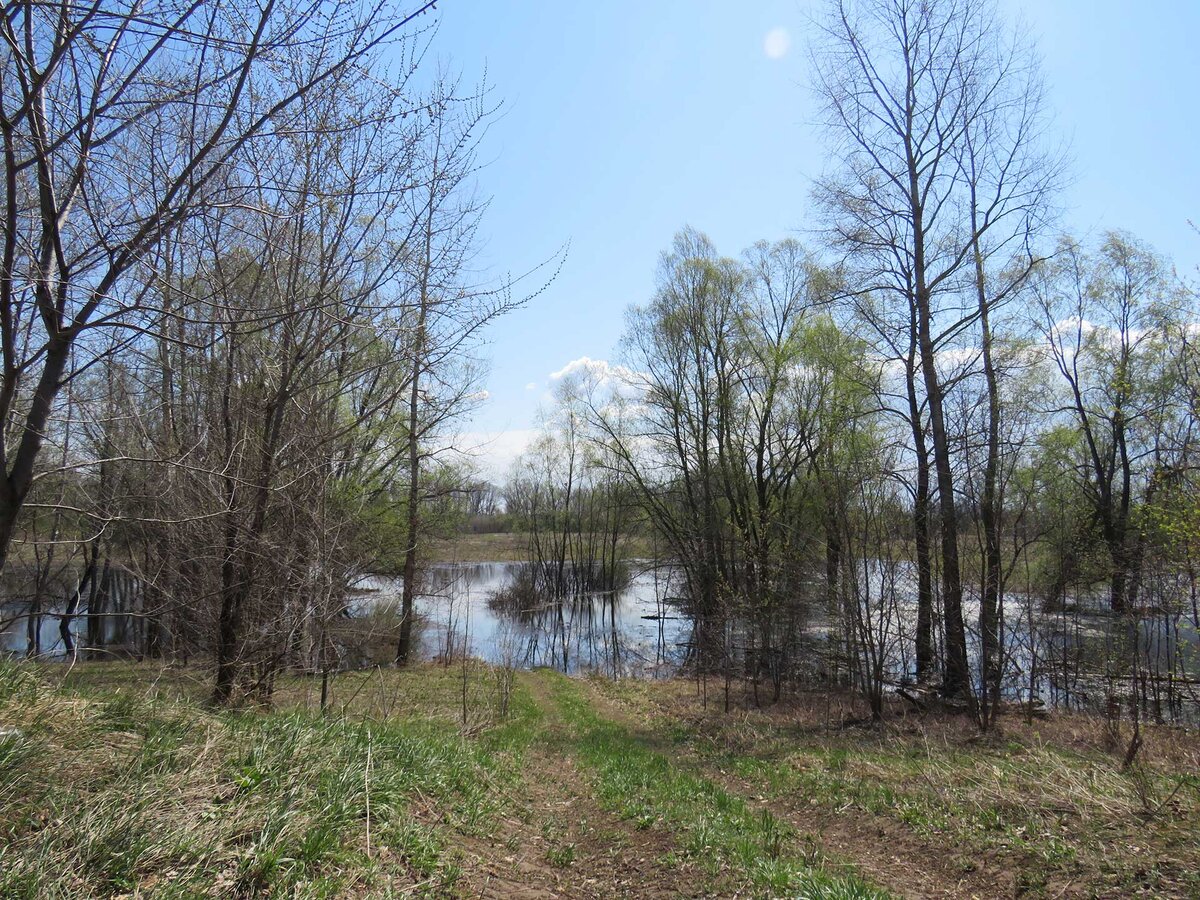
[624, 121]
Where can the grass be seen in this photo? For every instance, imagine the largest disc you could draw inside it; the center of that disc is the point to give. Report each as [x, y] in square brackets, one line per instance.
[1047, 797]
[468, 548]
[509, 546]
[710, 824]
[117, 780]
[105, 791]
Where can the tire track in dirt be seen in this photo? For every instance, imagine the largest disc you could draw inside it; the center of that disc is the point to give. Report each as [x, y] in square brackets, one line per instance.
[882, 850]
[555, 840]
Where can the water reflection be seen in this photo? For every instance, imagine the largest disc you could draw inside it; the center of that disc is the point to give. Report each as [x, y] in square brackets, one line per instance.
[632, 631]
[1066, 657]
[1075, 655]
[115, 627]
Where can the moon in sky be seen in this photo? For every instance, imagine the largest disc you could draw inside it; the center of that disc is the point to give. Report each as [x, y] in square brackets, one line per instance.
[777, 43]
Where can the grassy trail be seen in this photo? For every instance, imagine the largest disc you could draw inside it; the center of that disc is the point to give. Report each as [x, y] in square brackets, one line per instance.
[724, 844]
[117, 781]
[553, 838]
[121, 783]
[928, 807]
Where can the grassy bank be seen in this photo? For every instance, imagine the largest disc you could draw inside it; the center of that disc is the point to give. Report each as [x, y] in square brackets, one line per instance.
[1034, 809]
[108, 791]
[116, 780]
[510, 547]
[469, 548]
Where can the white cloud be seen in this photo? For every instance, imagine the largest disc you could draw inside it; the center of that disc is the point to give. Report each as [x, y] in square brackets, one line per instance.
[954, 360]
[599, 375]
[595, 371]
[777, 43]
[532, 386]
[1066, 328]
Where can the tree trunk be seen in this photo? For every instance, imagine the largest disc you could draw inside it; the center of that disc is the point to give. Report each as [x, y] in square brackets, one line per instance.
[412, 531]
[921, 538]
[957, 674]
[15, 484]
[990, 512]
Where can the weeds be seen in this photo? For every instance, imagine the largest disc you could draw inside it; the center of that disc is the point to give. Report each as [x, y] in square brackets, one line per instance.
[108, 788]
[1057, 812]
[102, 797]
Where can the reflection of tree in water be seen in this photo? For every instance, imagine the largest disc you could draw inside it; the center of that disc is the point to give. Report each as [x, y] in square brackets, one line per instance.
[1069, 651]
[1065, 654]
[581, 629]
[560, 627]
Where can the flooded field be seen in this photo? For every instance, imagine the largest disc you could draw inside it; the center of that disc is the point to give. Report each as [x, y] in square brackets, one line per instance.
[1063, 657]
[632, 631]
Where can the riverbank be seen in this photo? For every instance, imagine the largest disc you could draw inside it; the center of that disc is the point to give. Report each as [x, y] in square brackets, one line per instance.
[116, 780]
[473, 548]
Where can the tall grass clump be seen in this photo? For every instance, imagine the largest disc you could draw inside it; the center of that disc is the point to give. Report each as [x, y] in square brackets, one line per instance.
[106, 795]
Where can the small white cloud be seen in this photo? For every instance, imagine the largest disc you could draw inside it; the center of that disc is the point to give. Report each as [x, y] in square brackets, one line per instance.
[777, 43]
[532, 386]
[599, 371]
[1066, 327]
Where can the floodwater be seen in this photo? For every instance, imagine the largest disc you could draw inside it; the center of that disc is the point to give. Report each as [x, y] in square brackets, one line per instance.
[1076, 657]
[1058, 657]
[633, 631]
[14, 621]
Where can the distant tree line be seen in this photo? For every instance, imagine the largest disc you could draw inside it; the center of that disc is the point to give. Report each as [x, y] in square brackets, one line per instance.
[940, 450]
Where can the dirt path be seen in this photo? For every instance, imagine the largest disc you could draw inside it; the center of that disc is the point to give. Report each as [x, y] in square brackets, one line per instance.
[885, 851]
[557, 841]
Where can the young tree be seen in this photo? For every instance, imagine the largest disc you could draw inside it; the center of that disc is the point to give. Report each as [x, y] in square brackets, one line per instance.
[448, 310]
[1109, 330]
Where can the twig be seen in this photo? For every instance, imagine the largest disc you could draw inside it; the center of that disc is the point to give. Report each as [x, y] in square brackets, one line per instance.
[1170, 797]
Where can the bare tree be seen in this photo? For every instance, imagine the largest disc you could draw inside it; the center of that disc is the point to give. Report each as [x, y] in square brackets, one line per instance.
[119, 123]
[447, 311]
[934, 115]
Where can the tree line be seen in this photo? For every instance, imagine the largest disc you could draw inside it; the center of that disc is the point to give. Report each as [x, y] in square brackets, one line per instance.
[239, 320]
[953, 437]
[920, 451]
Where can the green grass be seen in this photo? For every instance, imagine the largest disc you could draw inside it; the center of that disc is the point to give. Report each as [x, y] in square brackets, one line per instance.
[118, 780]
[709, 824]
[104, 796]
[1060, 814]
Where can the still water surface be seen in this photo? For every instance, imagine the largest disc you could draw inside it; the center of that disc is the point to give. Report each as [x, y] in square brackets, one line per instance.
[634, 631]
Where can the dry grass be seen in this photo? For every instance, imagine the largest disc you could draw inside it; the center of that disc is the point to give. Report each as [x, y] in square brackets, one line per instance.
[507, 547]
[119, 781]
[1046, 804]
[469, 548]
[119, 789]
